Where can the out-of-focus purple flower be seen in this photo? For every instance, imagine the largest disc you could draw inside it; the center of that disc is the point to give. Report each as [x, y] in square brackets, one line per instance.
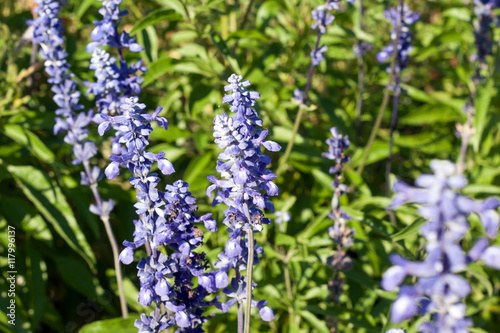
[323, 18]
[339, 232]
[317, 55]
[281, 217]
[361, 48]
[396, 330]
[402, 18]
[245, 187]
[484, 10]
[48, 33]
[439, 289]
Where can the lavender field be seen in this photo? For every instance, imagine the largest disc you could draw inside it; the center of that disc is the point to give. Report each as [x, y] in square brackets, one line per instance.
[278, 166]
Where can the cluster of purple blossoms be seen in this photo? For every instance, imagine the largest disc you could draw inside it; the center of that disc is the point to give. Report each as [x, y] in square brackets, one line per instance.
[245, 187]
[323, 18]
[106, 30]
[439, 289]
[482, 29]
[165, 219]
[115, 82]
[361, 48]
[48, 33]
[401, 18]
[339, 232]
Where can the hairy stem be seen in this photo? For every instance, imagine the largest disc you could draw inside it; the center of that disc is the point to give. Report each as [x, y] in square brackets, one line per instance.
[112, 240]
[240, 318]
[250, 240]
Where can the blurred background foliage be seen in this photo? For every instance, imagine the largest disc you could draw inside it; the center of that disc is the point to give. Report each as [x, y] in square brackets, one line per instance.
[63, 258]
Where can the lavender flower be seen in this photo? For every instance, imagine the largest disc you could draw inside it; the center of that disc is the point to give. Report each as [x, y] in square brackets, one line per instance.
[106, 30]
[339, 232]
[48, 33]
[321, 14]
[245, 187]
[115, 82]
[400, 18]
[165, 219]
[439, 289]
[482, 31]
[361, 48]
[323, 18]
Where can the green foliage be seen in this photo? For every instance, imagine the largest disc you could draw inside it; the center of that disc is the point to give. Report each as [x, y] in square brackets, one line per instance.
[62, 255]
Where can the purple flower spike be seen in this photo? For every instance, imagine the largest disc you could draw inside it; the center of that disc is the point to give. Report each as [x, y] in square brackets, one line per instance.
[48, 33]
[403, 21]
[339, 232]
[245, 187]
[167, 281]
[439, 289]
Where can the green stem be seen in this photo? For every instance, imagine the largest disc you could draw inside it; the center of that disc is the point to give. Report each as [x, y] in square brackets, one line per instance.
[248, 309]
[361, 76]
[289, 147]
[383, 106]
[250, 240]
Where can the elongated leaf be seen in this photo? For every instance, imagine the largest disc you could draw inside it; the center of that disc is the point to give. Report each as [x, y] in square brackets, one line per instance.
[37, 282]
[158, 68]
[322, 178]
[482, 107]
[231, 60]
[51, 203]
[409, 230]
[120, 325]
[155, 17]
[83, 6]
[175, 5]
[30, 141]
[314, 321]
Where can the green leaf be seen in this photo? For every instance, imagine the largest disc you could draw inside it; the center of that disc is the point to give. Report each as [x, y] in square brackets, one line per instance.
[409, 230]
[432, 114]
[231, 60]
[29, 140]
[36, 281]
[478, 272]
[77, 275]
[27, 217]
[175, 5]
[51, 203]
[158, 68]
[117, 325]
[458, 13]
[322, 178]
[155, 17]
[83, 7]
[318, 224]
[197, 167]
[284, 239]
[315, 322]
[482, 105]
[482, 189]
